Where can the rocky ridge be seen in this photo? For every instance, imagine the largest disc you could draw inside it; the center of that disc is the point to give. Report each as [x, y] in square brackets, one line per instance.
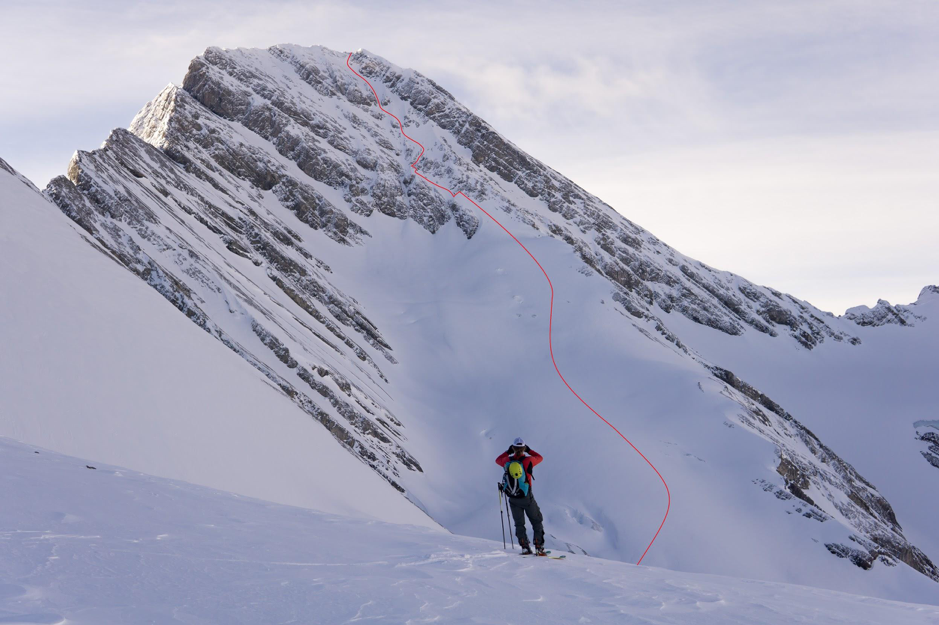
[804, 462]
[885, 313]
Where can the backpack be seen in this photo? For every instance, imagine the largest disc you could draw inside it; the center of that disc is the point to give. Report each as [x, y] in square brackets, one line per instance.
[515, 487]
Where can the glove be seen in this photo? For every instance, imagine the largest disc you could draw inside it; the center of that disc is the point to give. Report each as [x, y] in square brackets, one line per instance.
[527, 449]
[510, 451]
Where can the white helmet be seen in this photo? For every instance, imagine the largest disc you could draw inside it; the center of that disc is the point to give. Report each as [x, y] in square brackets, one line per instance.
[518, 442]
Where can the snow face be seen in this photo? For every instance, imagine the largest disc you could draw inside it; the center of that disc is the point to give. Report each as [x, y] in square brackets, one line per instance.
[873, 402]
[110, 545]
[96, 363]
[271, 202]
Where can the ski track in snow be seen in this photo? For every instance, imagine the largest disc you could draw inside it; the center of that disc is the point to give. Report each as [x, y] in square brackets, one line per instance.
[550, 309]
[117, 546]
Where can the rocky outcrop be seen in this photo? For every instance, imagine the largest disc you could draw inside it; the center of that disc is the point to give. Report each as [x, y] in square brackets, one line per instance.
[862, 556]
[802, 505]
[928, 433]
[932, 453]
[885, 313]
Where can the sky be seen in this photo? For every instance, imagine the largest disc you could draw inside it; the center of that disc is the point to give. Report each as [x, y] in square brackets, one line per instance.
[795, 144]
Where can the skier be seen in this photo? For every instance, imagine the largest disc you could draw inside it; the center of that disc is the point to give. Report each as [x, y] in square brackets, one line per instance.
[518, 461]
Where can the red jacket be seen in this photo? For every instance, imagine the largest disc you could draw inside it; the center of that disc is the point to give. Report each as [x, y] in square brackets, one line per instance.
[528, 461]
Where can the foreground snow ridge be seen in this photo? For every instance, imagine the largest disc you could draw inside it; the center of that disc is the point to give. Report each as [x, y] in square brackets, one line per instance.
[86, 543]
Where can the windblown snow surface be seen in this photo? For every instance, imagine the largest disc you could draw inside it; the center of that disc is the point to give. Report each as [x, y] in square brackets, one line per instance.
[110, 546]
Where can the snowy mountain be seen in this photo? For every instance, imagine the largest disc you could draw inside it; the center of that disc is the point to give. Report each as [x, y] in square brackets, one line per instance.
[203, 556]
[271, 201]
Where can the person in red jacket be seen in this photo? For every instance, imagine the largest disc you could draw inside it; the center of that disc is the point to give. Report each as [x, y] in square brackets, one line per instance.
[518, 462]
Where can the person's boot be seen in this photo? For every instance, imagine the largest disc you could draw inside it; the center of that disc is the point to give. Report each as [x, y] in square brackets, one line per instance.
[539, 550]
[526, 549]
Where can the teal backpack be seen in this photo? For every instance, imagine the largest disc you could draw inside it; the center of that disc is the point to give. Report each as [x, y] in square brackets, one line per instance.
[515, 486]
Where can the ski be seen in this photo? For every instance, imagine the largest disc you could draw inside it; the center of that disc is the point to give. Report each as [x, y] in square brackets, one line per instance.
[547, 555]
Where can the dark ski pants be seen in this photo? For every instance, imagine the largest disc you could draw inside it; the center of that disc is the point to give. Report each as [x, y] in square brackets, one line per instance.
[520, 507]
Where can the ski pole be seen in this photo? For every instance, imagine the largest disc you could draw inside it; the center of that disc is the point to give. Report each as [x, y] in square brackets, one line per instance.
[507, 514]
[501, 517]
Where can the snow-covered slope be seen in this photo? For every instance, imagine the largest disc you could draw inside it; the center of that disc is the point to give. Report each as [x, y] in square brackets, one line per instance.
[272, 203]
[93, 362]
[115, 546]
[874, 402]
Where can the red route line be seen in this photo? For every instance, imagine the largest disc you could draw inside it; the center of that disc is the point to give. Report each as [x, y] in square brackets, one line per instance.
[551, 311]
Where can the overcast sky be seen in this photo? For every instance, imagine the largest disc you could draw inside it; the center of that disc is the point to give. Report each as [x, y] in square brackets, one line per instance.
[794, 143]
